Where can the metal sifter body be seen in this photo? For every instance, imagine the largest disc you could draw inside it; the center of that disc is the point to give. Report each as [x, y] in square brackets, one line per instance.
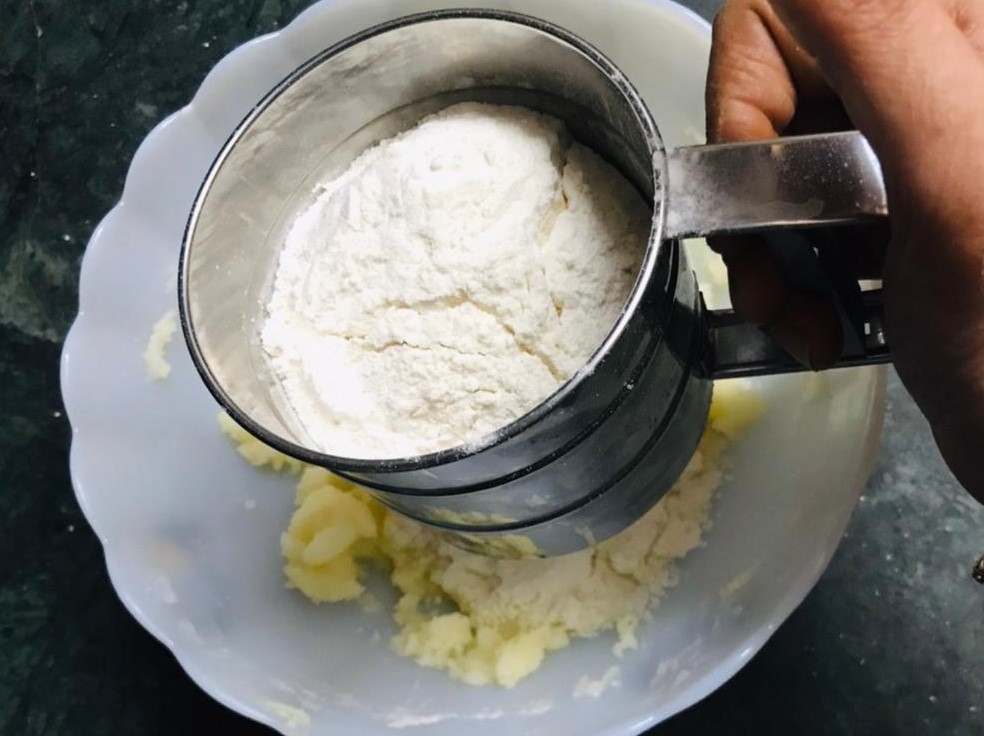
[597, 454]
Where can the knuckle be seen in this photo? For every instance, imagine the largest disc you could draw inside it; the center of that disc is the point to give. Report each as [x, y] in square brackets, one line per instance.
[969, 17]
[737, 14]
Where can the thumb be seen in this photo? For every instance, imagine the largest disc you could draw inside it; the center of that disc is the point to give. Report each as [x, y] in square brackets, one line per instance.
[907, 75]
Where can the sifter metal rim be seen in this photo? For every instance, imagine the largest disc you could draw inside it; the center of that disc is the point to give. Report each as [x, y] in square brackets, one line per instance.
[654, 141]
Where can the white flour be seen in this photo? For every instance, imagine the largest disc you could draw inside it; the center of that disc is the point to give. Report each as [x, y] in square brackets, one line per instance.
[449, 281]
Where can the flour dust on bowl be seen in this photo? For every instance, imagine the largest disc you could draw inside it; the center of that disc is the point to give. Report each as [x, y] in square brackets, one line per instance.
[193, 546]
[595, 436]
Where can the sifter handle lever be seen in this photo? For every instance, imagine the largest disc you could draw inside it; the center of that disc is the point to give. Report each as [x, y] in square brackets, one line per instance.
[793, 191]
[801, 181]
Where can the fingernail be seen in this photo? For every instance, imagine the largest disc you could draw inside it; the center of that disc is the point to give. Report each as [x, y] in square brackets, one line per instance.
[817, 362]
[794, 343]
[803, 352]
[824, 352]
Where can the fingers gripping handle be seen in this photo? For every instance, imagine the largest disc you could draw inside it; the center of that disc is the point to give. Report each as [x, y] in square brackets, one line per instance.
[813, 262]
[802, 186]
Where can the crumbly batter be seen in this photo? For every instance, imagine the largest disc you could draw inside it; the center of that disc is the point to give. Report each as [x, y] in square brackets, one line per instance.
[155, 360]
[492, 621]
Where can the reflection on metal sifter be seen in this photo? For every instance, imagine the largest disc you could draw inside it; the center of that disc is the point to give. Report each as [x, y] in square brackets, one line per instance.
[607, 445]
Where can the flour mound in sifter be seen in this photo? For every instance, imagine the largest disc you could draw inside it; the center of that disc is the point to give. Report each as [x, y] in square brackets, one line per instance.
[448, 281]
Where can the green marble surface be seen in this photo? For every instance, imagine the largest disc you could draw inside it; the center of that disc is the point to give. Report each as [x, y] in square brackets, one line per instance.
[890, 642]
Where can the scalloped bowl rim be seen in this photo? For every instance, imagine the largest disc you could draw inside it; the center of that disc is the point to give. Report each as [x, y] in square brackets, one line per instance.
[195, 669]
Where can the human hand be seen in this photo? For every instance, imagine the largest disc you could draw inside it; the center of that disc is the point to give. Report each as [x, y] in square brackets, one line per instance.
[910, 75]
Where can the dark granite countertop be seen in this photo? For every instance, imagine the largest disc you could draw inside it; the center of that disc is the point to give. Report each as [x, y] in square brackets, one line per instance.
[890, 642]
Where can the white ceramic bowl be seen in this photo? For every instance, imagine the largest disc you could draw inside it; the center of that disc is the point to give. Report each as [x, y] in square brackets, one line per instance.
[191, 533]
